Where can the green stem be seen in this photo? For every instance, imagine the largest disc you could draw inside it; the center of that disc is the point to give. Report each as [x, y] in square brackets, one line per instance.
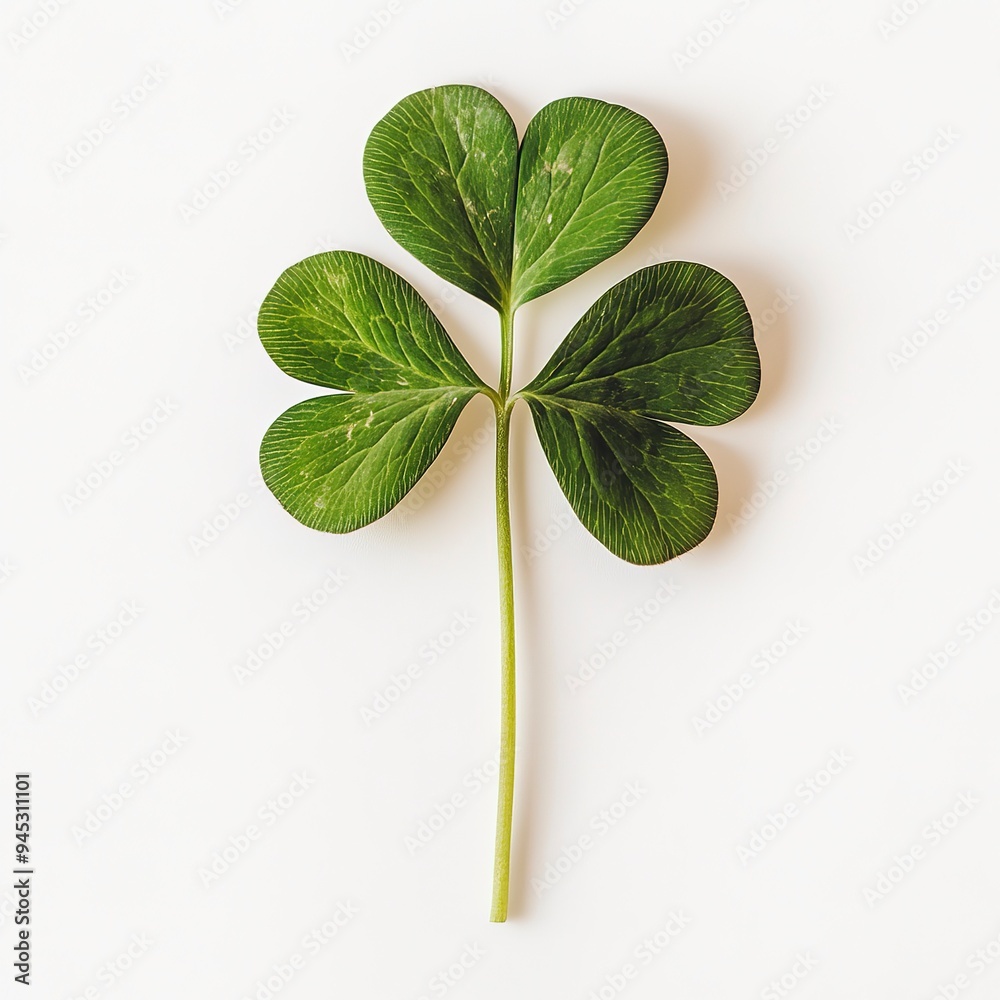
[506, 351]
[508, 706]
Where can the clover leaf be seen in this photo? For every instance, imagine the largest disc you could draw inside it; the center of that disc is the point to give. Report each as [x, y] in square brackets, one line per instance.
[508, 222]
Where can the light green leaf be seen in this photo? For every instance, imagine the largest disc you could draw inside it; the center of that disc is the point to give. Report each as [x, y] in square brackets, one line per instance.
[440, 170]
[645, 490]
[346, 321]
[673, 341]
[589, 177]
[337, 463]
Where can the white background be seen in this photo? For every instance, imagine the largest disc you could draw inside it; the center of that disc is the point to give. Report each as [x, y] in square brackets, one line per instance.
[175, 347]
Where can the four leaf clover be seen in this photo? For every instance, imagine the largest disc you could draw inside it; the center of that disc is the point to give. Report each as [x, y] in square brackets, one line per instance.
[508, 222]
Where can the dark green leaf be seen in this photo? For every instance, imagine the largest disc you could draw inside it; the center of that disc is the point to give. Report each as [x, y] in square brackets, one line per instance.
[643, 489]
[440, 170]
[673, 341]
[337, 463]
[345, 321]
[670, 342]
[590, 175]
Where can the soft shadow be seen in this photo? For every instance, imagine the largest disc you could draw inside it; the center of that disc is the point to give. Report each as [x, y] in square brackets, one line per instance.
[690, 169]
[473, 325]
[773, 320]
[474, 432]
[737, 476]
[535, 710]
[736, 482]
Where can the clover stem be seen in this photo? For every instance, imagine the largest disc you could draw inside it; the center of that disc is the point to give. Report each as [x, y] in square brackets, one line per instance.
[508, 709]
[506, 351]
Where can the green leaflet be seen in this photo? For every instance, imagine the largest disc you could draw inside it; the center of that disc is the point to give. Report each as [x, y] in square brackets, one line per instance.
[589, 178]
[440, 170]
[673, 341]
[643, 489]
[345, 321]
[337, 463]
